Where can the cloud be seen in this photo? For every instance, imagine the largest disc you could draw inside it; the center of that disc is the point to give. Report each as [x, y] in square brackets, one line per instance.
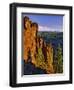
[45, 28]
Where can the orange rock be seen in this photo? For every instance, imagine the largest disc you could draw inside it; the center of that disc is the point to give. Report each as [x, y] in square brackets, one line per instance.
[31, 43]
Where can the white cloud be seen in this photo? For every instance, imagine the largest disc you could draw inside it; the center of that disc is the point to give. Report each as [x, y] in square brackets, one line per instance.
[45, 28]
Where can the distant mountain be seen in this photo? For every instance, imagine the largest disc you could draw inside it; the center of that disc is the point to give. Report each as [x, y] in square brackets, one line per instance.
[54, 38]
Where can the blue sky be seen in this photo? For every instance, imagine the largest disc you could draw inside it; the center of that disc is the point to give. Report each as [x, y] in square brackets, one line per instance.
[47, 22]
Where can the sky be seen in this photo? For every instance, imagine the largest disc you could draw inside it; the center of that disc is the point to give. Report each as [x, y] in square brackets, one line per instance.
[47, 22]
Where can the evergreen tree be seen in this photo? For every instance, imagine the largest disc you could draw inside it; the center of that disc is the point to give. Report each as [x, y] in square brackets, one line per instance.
[59, 59]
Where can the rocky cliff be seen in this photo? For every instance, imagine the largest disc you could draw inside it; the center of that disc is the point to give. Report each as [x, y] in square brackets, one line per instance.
[36, 50]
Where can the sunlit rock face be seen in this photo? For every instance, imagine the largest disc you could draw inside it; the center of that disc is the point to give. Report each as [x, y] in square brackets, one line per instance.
[35, 49]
